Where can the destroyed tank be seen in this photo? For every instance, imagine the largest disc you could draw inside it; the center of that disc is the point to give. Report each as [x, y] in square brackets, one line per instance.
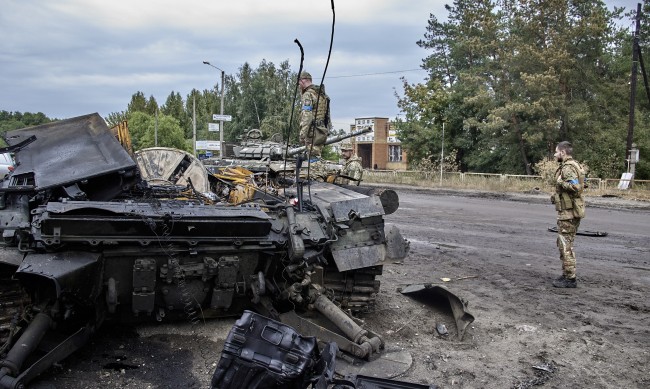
[92, 234]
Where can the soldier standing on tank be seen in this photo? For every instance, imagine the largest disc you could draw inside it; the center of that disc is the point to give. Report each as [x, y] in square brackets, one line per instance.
[570, 207]
[314, 125]
[352, 169]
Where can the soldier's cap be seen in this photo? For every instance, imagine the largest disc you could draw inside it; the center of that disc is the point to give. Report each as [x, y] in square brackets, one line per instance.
[306, 75]
[346, 146]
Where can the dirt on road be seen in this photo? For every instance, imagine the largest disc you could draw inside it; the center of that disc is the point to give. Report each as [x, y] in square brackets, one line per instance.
[500, 257]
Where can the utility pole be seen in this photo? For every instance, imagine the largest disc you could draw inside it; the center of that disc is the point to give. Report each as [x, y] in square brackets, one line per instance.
[442, 151]
[635, 61]
[155, 130]
[194, 124]
[221, 148]
[223, 76]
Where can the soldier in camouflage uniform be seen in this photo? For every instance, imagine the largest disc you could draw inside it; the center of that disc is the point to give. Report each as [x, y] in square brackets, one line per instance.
[314, 123]
[352, 168]
[314, 120]
[570, 207]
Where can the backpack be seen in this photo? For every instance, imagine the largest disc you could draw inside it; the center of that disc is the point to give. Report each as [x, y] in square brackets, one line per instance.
[324, 98]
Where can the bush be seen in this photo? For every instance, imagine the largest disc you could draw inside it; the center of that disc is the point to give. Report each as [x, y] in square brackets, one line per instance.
[546, 168]
[431, 163]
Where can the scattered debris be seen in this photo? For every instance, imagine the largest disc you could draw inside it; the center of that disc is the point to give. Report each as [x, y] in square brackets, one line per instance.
[526, 328]
[465, 278]
[442, 329]
[543, 372]
[545, 367]
[447, 279]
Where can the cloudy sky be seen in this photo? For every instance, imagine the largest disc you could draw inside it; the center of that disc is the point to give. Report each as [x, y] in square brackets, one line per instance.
[67, 58]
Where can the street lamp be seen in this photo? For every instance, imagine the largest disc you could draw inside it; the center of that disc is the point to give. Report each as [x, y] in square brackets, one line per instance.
[221, 110]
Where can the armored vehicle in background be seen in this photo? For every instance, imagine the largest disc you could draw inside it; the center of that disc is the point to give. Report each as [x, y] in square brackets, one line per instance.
[271, 158]
[87, 239]
[252, 147]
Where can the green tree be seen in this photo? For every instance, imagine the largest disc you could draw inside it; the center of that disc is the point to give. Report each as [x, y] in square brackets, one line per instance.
[143, 131]
[259, 98]
[518, 76]
[115, 118]
[138, 103]
[424, 107]
[174, 107]
[16, 120]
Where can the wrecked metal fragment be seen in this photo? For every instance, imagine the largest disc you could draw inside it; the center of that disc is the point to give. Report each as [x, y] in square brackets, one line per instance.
[458, 306]
[260, 352]
[548, 367]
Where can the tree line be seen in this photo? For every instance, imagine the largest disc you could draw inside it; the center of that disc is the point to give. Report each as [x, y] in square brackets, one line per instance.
[261, 98]
[511, 78]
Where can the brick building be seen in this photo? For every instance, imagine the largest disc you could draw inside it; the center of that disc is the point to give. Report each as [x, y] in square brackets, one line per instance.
[379, 148]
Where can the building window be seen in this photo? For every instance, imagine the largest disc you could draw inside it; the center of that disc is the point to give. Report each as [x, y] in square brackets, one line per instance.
[394, 153]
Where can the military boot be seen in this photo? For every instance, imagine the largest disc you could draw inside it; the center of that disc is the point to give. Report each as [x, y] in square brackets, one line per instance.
[564, 282]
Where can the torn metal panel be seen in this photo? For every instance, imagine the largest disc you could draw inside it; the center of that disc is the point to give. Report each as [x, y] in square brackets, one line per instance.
[349, 258]
[458, 306]
[66, 153]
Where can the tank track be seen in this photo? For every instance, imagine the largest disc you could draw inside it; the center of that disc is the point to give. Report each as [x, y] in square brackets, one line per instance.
[13, 301]
[355, 290]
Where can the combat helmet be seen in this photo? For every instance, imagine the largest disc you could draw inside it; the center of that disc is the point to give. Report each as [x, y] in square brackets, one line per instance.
[346, 146]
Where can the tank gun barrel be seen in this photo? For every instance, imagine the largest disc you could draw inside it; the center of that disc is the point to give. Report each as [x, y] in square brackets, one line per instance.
[331, 139]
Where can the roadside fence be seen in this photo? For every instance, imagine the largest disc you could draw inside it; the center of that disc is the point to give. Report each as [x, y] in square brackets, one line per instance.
[488, 180]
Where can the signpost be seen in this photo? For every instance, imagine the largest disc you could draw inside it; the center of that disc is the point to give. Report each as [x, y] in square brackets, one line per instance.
[208, 145]
[213, 127]
[222, 118]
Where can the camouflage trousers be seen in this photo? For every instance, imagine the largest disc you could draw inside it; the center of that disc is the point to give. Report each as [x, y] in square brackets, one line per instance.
[566, 235]
[315, 135]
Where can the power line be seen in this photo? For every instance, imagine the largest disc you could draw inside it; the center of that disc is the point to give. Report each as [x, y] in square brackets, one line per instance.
[376, 74]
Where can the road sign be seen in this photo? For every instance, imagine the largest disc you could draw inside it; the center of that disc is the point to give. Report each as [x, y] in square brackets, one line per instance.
[225, 118]
[213, 126]
[208, 145]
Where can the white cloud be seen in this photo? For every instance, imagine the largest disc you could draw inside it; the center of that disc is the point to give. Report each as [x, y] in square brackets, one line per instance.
[238, 15]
